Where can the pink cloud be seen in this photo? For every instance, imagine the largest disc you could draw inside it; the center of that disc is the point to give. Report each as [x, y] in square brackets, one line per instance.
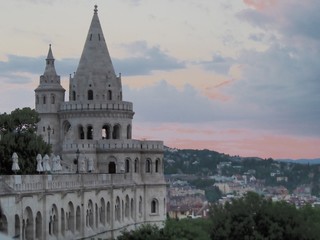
[260, 4]
[243, 142]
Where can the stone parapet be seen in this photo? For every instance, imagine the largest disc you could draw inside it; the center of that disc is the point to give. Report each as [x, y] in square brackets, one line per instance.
[107, 145]
[96, 106]
[69, 182]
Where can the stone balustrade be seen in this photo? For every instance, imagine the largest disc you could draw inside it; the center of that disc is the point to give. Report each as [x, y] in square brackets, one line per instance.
[89, 105]
[58, 182]
[125, 144]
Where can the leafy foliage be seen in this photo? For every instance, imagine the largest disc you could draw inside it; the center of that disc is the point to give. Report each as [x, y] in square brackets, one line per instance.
[186, 229]
[18, 134]
[253, 217]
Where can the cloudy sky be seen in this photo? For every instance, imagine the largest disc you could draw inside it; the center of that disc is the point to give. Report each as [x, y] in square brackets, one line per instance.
[240, 77]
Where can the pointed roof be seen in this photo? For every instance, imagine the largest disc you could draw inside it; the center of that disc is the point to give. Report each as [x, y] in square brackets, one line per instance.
[95, 59]
[50, 69]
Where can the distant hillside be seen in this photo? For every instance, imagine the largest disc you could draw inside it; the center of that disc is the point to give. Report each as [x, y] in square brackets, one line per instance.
[301, 161]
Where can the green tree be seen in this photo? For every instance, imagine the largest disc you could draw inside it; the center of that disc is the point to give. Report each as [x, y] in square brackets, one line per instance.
[254, 217]
[18, 134]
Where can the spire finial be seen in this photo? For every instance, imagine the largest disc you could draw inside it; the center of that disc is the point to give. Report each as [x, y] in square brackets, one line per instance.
[95, 9]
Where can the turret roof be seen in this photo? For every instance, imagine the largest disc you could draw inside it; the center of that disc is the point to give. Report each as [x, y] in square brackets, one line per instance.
[95, 59]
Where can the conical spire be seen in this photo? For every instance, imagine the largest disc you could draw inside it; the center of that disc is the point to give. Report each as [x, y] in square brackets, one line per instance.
[50, 69]
[95, 71]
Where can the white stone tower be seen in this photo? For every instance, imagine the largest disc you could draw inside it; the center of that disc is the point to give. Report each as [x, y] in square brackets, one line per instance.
[48, 97]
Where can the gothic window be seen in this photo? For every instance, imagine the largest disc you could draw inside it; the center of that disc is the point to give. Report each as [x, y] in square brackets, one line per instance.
[17, 225]
[44, 100]
[53, 99]
[140, 206]
[109, 96]
[89, 132]
[106, 132]
[148, 166]
[117, 209]
[108, 213]
[157, 166]
[127, 169]
[102, 212]
[62, 222]
[132, 208]
[70, 217]
[78, 219]
[90, 94]
[136, 162]
[129, 131]
[73, 95]
[127, 207]
[154, 206]
[112, 167]
[81, 132]
[116, 132]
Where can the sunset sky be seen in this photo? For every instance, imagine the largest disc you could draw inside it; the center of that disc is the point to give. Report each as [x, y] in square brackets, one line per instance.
[240, 77]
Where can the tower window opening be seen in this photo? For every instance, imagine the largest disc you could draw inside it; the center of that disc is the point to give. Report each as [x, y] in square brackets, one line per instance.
[127, 169]
[53, 99]
[112, 167]
[81, 132]
[154, 206]
[44, 100]
[89, 132]
[148, 166]
[90, 94]
[109, 96]
[157, 166]
[73, 95]
[116, 132]
[105, 132]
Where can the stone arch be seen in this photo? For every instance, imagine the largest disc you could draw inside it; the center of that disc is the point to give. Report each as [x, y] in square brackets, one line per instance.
[108, 213]
[116, 131]
[148, 165]
[78, 219]
[129, 131]
[38, 225]
[154, 206]
[16, 225]
[89, 132]
[127, 206]
[27, 225]
[117, 209]
[4, 224]
[106, 131]
[70, 217]
[53, 221]
[81, 132]
[102, 212]
[90, 94]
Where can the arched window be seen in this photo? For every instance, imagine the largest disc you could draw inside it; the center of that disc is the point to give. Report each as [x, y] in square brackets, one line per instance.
[132, 208]
[102, 212]
[106, 132]
[4, 224]
[81, 132]
[116, 132]
[73, 95]
[127, 169]
[112, 167]
[126, 212]
[90, 132]
[148, 165]
[117, 209]
[129, 131]
[136, 165]
[44, 99]
[90, 94]
[140, 206]
[16, 225]
[157, 165]
[109, 96]
[53, 99]
[108, 213]
[154, 206]
[78, 219]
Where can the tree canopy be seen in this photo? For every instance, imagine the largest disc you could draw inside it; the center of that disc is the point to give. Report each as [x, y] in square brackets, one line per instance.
[18, 134]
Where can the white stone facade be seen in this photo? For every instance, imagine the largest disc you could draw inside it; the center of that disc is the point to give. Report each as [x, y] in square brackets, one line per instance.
[117, 183]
